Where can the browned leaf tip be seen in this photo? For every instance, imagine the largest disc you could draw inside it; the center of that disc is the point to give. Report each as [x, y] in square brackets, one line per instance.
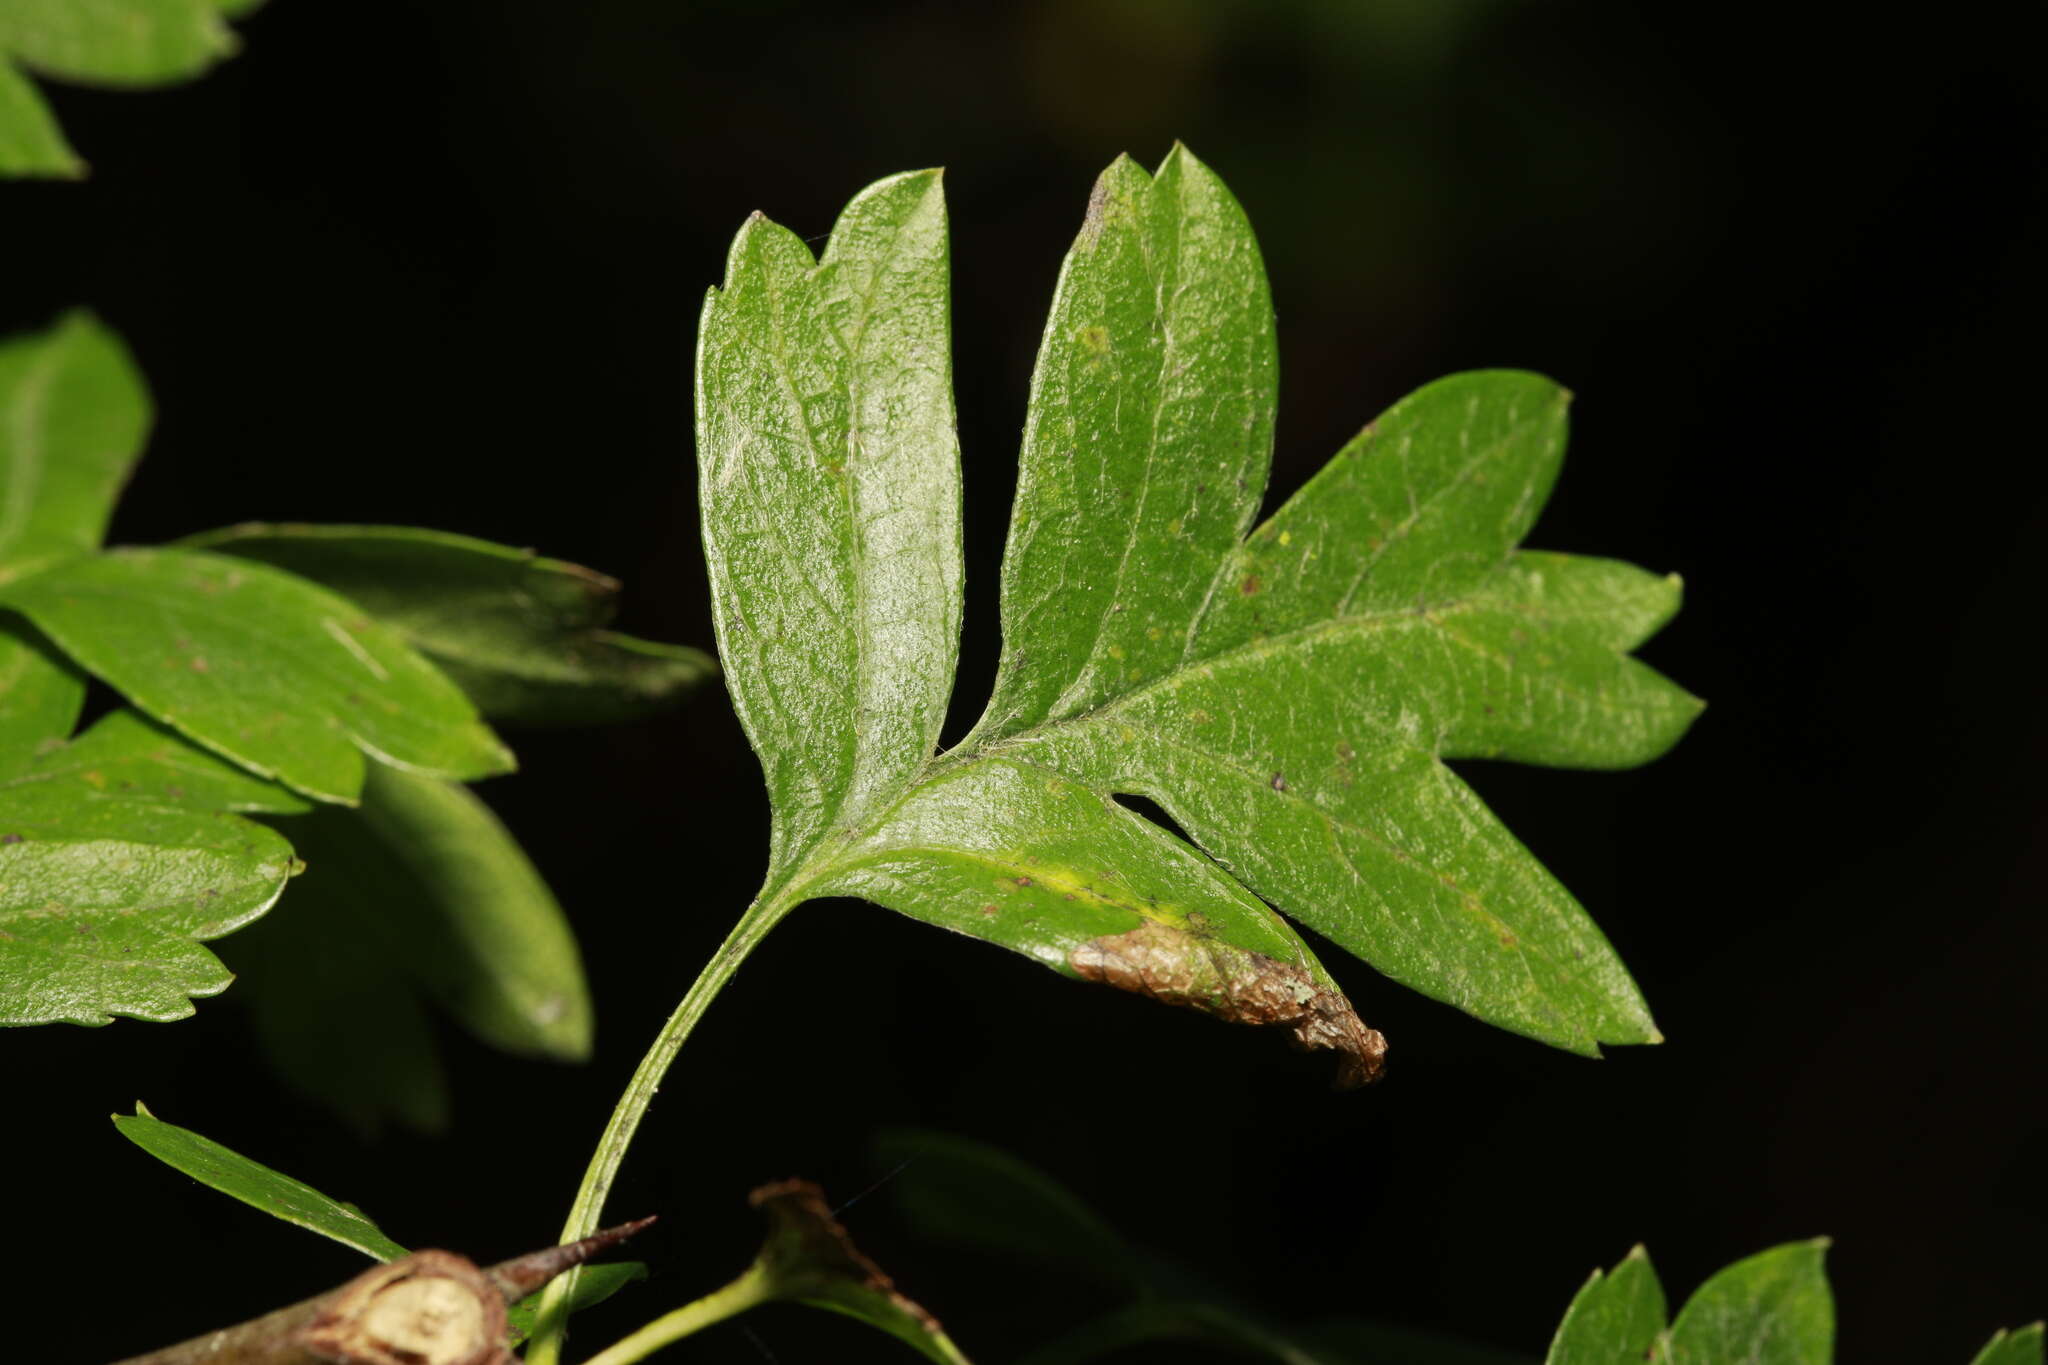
[808, 1250]
[1194, 971]
[522, 1275]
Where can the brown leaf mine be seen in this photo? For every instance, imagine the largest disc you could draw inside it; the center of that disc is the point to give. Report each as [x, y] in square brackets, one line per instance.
[1176, 967]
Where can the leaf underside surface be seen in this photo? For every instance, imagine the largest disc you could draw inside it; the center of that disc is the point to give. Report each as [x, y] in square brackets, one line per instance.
[1289, 693]
[116, 44]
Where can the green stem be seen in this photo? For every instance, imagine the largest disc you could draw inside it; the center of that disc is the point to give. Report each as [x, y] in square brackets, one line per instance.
[546, 1345]
[748, 1290]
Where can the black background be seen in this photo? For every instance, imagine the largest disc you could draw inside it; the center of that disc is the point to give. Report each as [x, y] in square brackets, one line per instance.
[440, 264]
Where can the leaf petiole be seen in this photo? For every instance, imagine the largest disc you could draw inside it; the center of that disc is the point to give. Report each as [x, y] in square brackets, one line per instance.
[750, 1290]
[763, 915]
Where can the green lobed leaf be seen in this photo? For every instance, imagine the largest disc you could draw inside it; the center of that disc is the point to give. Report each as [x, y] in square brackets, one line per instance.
[1615, 1319]
[424, 871]
[522, 635]
[283, 677]
[831, 501]
[104, 902]
[74, 414]
[1290, 697]
[256, 1185]
[1773, 1308]
[2020, 1347]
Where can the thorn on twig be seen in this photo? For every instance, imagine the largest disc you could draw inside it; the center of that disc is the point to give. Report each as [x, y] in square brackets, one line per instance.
[522, 1275]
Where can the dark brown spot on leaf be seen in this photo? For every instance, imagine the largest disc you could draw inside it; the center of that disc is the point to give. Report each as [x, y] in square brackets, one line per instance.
[1023, 881]
[1250, 586]
[1279, 783]
[10, 838]
[1203, 973]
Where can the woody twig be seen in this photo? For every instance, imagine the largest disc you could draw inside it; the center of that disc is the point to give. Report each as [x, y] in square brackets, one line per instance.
[429, 1308]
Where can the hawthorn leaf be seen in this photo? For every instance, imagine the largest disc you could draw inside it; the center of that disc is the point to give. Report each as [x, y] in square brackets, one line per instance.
[424, 871]
[2020, 1347]
[104, 902]
[954, 1192]
[523, 635]
[282, 676]
[118, 44]
[1289, 694]
[335, 1016]
[41, 694]
[255, 1184]
[74, 414]
[126, 754]
[1772, 1308]
[958, 1193]
[830, 487]
[1615, 1318]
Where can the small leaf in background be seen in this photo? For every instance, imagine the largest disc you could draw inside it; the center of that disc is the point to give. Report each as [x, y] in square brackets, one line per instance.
[425, 869]
[256, 1185]
[1290, 694]
[1615, 1319]
[104, 902]
[417, 895]
[278, 674]
[809, 1259]
[955, 1192]
[1349, 1342]
[1773, 1308]
[335, 1014]
[2021, 1347]
[74, 414]
[522, 635]
[120, 44]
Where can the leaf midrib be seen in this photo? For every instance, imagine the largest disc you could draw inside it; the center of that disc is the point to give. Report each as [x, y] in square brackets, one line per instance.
[823, 858]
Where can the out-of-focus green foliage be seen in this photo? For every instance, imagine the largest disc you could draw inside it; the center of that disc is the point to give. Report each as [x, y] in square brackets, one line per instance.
[115, 44]
[257, 690]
